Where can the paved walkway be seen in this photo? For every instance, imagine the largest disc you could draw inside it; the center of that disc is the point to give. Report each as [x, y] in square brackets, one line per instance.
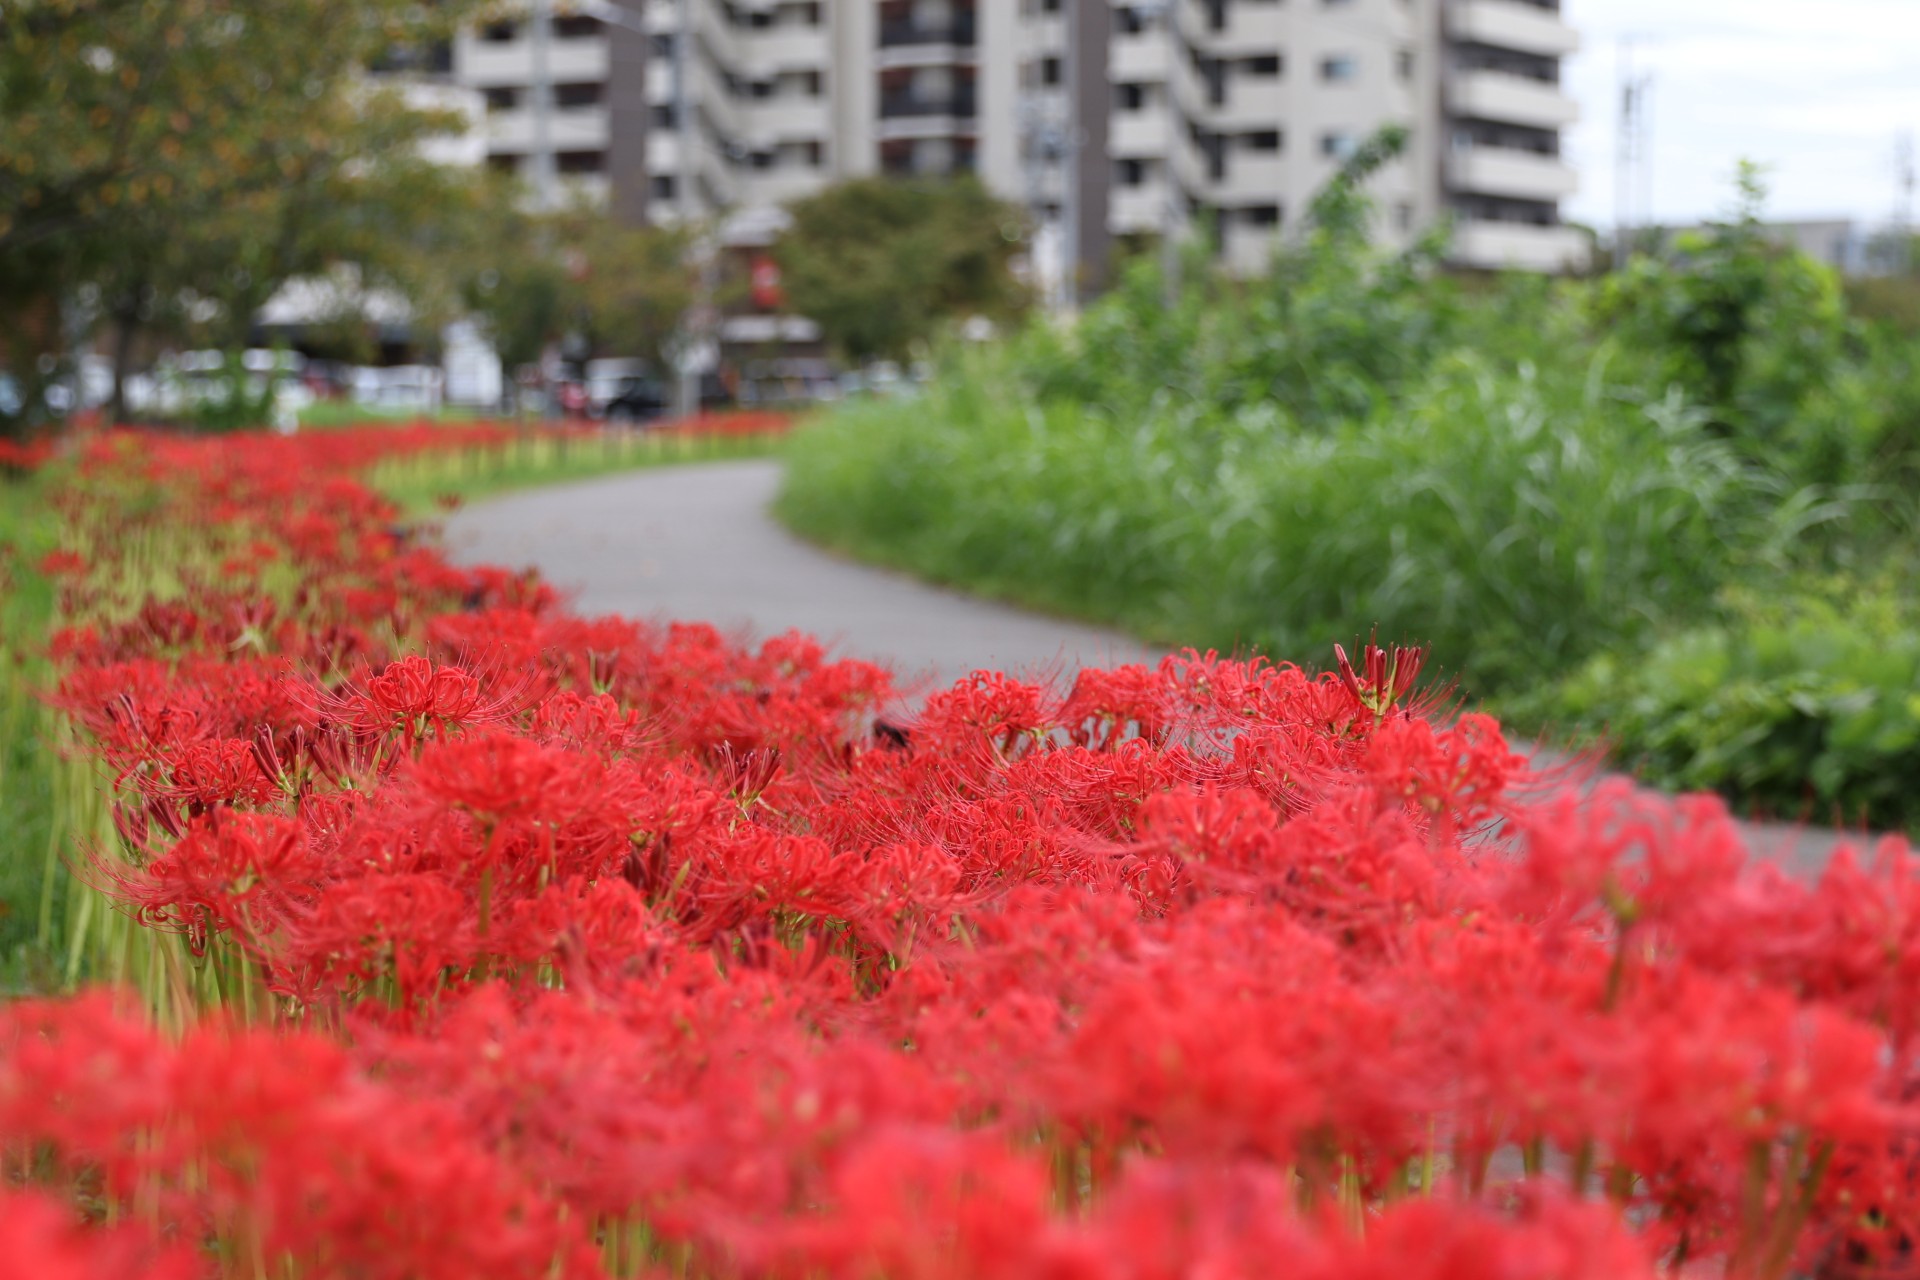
[696, 542]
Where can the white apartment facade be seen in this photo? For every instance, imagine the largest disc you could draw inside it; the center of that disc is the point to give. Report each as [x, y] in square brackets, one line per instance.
[1108, 118]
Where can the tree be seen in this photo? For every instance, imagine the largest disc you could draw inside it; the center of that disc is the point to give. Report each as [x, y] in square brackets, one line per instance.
[144, 143]
[580, 272]
[881, 263]
[635, 284]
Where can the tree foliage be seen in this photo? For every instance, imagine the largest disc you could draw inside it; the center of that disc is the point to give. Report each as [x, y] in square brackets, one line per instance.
[176, 160]
[881, 263]
[579, 273]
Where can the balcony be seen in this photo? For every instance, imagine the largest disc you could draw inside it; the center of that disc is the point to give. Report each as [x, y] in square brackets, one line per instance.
[1494, 95]
[903, 32]
[582, 130]
[1515, 175]
[1248, 176]
[1139, 58]
[1512, 24]
[897, 106]
[912, 115]
[1518, 246]
[787, 47]
[484, 63]
[1132, 210]
[1139, 133]
[780, 118]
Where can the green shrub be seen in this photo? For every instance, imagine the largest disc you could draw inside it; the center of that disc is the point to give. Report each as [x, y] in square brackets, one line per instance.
[1808, 708]
[1522, 473]
[1516, 519]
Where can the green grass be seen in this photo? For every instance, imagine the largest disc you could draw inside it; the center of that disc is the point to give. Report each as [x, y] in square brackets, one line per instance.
[419, 483]
[30, 834]
[49, 800]
[1517, 522]
[333, 413]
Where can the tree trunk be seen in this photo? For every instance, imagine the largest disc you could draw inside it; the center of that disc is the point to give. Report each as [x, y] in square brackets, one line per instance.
[126, 327]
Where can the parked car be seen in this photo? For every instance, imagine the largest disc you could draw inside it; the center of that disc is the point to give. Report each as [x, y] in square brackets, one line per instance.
[637, 399]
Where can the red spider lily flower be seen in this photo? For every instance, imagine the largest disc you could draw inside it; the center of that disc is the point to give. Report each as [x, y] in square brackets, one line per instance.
[1388, 677]
[652, 940]
[44, 1239]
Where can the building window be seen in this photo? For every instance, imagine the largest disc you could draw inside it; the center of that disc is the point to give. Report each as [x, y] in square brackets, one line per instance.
[499, 32]
[1338, 69]
[662, 116]
[1131, 96]
[1261, 215]
[576, 28]
[576, 96]
[1337, 145]
[663, 186]
[503, 163]
[1261, 140]
[501, 98]
[1050, 71]
[661, 43]
[1262, 66]
[1130, 173]
[581, 162]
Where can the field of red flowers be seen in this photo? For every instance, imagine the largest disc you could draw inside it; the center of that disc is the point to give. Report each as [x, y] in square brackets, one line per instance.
[453, 935]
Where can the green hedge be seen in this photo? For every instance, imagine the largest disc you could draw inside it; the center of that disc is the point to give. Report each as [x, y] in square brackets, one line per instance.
[1807, 709]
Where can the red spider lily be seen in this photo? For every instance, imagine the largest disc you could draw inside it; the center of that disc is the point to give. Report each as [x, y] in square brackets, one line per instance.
[1388, 677]
[42, 1238]
[709, 957]
[413, 699]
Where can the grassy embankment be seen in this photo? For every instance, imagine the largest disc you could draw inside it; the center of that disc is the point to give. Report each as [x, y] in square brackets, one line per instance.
[49, 804]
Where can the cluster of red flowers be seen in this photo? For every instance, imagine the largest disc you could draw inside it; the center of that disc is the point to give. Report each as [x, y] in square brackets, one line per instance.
[24, 455]
[555, 945]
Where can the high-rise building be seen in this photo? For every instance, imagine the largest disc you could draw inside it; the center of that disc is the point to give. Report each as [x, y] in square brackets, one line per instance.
[1108, 118]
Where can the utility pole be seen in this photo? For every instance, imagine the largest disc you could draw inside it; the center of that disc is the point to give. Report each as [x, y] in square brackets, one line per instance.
[1172, 215]
[1632, 154]
[541, 159]
[1904, 179]
[687, 388]
[1070, 162]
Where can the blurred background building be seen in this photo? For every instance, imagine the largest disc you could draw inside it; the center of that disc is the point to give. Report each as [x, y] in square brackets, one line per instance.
[1106, 119]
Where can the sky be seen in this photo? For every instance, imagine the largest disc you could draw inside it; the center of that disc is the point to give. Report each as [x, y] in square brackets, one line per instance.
[1817, 91]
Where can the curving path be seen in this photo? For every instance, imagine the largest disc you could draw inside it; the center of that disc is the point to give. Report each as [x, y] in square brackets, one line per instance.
[696, 542]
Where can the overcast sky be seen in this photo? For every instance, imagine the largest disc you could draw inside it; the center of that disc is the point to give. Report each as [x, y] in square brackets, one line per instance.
[1816, 90]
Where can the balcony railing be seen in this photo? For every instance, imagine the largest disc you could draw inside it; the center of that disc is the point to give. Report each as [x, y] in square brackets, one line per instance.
[960, 31]
[896, 106]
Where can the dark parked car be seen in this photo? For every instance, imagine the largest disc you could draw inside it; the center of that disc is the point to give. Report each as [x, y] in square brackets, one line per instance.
[638, 399]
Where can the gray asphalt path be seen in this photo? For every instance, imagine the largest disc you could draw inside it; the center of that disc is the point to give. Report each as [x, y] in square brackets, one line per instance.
[696, 542]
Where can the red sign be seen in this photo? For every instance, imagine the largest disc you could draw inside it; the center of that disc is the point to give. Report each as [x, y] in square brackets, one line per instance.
[767, 293]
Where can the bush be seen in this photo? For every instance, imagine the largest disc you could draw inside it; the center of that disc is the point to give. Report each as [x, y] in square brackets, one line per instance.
[1519, 519]
[1803, 709]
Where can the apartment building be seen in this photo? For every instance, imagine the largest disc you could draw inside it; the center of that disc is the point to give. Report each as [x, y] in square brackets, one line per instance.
[1107, 118]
